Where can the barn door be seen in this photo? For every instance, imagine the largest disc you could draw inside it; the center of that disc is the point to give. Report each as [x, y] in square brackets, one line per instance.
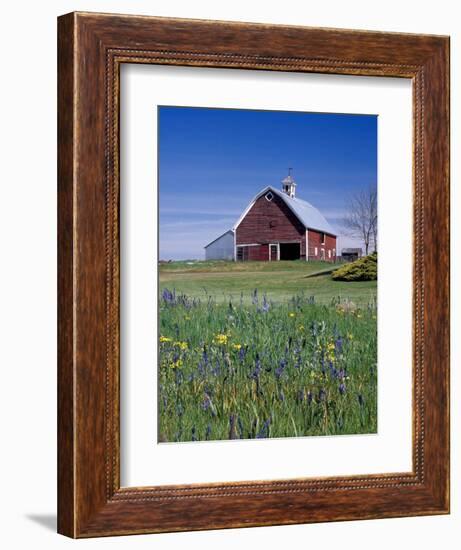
[273, 252]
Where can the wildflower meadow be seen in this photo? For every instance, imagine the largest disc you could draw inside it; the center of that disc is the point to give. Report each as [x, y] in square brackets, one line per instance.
[252, 367]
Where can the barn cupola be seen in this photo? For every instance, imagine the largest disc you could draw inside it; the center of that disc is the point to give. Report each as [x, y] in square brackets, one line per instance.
[289, 185]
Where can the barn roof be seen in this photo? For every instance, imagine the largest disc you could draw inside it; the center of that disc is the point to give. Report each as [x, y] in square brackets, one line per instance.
[307, 214]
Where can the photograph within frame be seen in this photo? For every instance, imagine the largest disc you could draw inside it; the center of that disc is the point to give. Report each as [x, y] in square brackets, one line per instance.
[224, 374]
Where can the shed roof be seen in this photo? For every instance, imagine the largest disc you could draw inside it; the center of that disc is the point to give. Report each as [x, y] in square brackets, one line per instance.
[307, 214]
[217, 238]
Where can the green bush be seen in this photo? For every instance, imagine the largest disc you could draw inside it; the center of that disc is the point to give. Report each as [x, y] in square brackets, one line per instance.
[363, 269]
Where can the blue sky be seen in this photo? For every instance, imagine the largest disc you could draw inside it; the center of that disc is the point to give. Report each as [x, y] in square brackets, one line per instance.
[213, 161]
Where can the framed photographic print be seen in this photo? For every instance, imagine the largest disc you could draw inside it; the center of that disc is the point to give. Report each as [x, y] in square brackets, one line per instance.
[231, 351]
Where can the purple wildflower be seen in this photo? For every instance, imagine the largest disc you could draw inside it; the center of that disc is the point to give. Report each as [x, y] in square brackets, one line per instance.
[266, 306]
[168, 296]
[333, 371]
[206, 403]
[255, 374]
[339, 344]
[342, 388]
[264, 431]
[361, 400]
[204, 362]
[208, 432]
[298, 358]
[279, 370]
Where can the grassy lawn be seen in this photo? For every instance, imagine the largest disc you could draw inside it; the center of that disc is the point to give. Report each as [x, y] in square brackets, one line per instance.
[225, 281]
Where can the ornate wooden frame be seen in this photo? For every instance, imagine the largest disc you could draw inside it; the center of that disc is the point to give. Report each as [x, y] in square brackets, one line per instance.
[91, 49]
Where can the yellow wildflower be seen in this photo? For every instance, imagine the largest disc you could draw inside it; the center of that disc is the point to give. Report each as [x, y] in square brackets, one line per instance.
[165, 339]
[301, 328]
[176, 364]
[330, 346]
[187, 318]
[221, 339]
[237, 347]
[291, 314]
[350, 336]
[181, 345]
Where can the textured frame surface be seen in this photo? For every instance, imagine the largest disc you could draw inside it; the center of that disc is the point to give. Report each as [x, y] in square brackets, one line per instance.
[91, 49]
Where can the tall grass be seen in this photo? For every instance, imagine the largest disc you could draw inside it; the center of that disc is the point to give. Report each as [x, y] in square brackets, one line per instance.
[239, 370]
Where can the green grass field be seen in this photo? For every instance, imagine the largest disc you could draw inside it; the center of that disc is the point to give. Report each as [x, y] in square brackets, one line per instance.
[254, 349]
[226, 281]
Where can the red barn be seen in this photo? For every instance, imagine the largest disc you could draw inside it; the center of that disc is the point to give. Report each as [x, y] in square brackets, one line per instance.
[276, 225]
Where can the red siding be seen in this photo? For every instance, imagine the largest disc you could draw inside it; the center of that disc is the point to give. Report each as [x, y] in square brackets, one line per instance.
[269, 222]
[315, 245]
[259, 253]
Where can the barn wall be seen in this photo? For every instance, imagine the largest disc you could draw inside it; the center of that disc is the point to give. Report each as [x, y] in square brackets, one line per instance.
[221, 249]
[270, 222]
[259, 253]
[315, 240]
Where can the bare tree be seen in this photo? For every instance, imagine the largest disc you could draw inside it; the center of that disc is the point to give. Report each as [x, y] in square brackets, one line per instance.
[361, 220]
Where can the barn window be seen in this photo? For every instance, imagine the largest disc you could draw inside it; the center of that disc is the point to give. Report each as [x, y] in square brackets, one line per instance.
[329, 253]
[322, 238]
[269, 196]
[316, 251]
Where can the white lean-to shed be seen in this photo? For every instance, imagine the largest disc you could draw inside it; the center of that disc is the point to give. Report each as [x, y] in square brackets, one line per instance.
[221, 248]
